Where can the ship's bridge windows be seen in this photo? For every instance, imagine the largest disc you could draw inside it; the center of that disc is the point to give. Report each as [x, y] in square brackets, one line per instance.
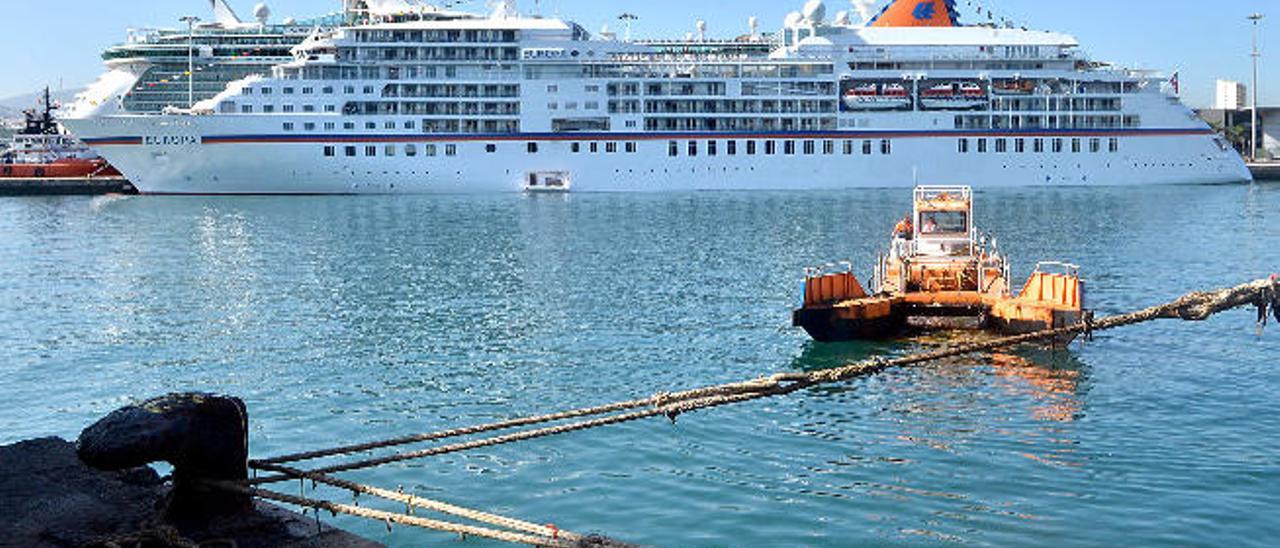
[938, 223]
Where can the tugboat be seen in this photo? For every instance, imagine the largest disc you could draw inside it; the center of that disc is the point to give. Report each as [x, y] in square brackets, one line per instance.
[41, 150]
[938, 273]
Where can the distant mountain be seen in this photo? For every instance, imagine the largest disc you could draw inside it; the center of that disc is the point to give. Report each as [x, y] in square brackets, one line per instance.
[11, 107]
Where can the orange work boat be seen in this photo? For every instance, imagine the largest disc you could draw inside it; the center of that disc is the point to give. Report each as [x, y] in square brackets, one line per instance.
[938, 273]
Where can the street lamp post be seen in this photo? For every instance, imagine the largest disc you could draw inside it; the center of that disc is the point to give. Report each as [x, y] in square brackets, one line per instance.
[191, 21]
[1253, 124]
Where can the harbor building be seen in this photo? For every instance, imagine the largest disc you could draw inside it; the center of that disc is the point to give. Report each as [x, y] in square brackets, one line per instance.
[1231, 95]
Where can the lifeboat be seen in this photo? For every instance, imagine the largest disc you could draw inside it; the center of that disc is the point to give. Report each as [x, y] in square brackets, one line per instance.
[938, 273]
[954, 95]
[874, 97]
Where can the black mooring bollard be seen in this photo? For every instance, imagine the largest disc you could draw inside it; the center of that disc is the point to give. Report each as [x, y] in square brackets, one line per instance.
[204, 437]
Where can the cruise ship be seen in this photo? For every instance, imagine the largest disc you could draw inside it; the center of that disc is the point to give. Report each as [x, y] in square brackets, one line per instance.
[408, 98]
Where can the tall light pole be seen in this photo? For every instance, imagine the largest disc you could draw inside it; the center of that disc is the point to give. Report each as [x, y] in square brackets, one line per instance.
[191, 21]
[1253, 124]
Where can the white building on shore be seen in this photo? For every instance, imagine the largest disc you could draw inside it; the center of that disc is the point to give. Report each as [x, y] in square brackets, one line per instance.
[1231, 95]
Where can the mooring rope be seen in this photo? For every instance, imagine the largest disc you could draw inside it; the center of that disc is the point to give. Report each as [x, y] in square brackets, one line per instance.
[425, 523]
[1191, 307]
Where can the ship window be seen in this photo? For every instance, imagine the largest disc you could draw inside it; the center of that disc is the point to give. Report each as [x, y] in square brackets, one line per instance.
[1075, 145]
[329, 126]
[611, 147]
[1057, 145]
[886, 146]
[789, 147]
[371, 150]
[349, 90]
[266, 91]
[411, 150]
[553, 88]
[575, 147]
[349, 125]
[962, 146]
[287, 91]
[712, 148]
[1037, 145]
[349, 151]
[492, 148]
[673, 148]
[1002, 146]
[944, 222]
[330, 151]
[631, 147]
[268, 108]
[533, 148]
[451, 150]
[327, 90]
[389, 150]
[308, 108]
[751, 148]
[1114, 145]
[308, 91]
[810, 147]
[1095, 145]
[770, 147]
[866, 147]
[594, 147]
[410, 124]
[693, 148]
[828, 147]
[731, 148]
[246, 91]
[848, 147]
[309, 126]
[430, 150]
[288, 126]
[389, 125]
[370, 125]
[286, 108]
[982, 145]
[368, 89]
[246, 109]
[1020, 145]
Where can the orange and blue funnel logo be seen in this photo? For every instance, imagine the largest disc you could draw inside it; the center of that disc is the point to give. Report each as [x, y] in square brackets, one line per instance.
[917, 13]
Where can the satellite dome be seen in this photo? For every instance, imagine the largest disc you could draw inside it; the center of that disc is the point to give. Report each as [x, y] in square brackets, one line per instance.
[261, 12]
[842, 19]
[815, 11]
[793, 20]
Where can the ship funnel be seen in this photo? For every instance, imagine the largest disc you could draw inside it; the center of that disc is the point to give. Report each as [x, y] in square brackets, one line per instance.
[223, 14]
[917, 13]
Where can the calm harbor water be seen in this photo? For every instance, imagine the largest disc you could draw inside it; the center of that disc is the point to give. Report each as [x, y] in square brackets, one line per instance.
[354, 318]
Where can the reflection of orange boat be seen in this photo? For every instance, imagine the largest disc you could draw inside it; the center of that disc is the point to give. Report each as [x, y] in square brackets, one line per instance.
[937, 268]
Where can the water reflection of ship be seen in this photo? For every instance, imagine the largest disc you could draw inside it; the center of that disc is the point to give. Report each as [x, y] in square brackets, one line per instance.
[1052, 378]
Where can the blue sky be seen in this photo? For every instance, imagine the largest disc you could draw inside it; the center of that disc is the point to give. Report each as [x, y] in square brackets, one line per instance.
[1204, 39]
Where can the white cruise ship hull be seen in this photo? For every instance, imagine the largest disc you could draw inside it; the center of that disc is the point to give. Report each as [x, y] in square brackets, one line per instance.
[210, 155]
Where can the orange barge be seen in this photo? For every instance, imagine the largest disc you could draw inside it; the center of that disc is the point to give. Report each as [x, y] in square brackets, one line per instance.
[938, 273]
